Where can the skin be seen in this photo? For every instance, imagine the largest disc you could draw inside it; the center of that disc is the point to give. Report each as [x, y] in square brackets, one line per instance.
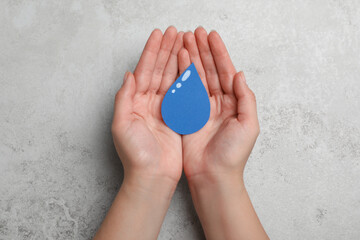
[215, 156]
[154, 156]
[150, 152]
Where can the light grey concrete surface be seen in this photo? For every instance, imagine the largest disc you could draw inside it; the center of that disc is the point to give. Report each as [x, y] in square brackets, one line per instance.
[61, 63]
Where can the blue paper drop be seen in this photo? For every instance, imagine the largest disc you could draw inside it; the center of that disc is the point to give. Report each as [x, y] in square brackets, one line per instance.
[186, 106]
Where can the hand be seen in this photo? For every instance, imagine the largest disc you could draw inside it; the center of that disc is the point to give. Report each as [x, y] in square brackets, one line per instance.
[151, 153]
[215, 156]
[223, 145]
[146, 146]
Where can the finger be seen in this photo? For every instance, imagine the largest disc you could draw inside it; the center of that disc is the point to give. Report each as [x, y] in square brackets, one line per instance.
[192, 48]
[184, 60]
[172, 66]
[124, 101]
[224, 65]
[246, 106]
[167, 44]
[145, 67]
[207, 61]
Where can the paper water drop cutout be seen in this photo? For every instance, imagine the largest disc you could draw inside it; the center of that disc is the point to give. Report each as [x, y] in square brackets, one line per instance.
[186, 106]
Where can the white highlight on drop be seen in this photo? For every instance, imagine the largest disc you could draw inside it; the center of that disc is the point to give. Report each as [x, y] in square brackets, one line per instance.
[186, 75]
[173, 91]
[178, 85]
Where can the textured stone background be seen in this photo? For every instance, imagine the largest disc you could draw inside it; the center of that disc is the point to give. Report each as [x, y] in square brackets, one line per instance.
[61, 63]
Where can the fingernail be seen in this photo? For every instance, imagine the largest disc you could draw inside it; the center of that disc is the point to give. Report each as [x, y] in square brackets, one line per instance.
[243, 77]
[125, 77]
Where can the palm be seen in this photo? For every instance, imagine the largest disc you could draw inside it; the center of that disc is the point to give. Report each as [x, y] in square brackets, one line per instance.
[206, 143]
[224, 142]
[141, 138]
[154, 141]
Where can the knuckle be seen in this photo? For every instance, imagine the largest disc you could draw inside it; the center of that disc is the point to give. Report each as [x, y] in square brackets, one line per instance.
[113, 128]
[252, 95]
[116, 127]
[257, 129]
[227, 76]
[117, 96]
[211, 72]
[158, 70]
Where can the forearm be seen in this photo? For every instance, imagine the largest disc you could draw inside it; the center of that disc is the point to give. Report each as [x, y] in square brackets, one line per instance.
[138, 209]
[224, 208]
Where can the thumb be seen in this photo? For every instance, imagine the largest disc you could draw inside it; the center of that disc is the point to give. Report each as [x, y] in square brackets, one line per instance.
[124, 100]
[246, 106]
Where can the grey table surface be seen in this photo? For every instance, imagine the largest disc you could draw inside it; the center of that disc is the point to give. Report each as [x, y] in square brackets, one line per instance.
[61, 63]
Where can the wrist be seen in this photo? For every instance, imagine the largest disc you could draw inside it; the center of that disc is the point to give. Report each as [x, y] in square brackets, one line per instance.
[139, 208]
[216, 180]
[217, 202]
[215, 189]
[147, 186]
[224, 208]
